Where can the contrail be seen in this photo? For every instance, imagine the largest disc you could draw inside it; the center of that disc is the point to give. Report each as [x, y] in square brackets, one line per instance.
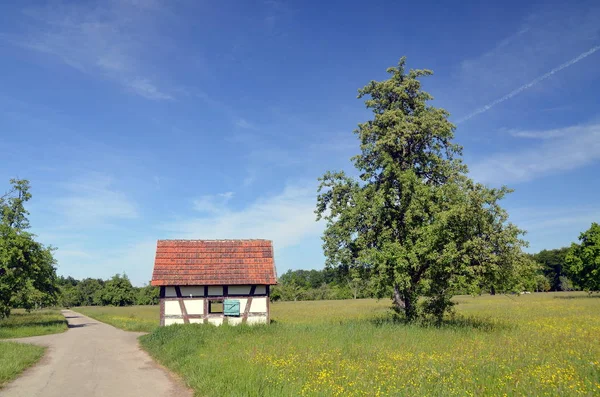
[529, 85]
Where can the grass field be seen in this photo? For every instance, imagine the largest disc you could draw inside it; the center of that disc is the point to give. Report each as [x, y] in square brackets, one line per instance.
[129, 318]
[21, 324]
[15, 357]
[539, 344]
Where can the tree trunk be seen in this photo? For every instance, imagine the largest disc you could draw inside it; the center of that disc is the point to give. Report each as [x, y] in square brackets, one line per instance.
[410, 308]
[397, 299]
[492, 290]
[405, 302]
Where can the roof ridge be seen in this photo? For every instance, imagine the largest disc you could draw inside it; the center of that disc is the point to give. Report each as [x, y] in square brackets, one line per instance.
[216, 239]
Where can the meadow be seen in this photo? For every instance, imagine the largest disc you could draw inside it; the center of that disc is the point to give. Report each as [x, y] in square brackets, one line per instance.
[129, 318]
[15, 357]
[545, 344]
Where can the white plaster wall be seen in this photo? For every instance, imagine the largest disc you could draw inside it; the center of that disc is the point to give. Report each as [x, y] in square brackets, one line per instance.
[239, 289]
[170, 292]
[215, 321]
[234, 320]
[215, 290]
[257, 320]
[196, 321]
[169, 321]
[196, 290]
[194, 306]
[261, 289]
[172, 308]
[242, 304]
[259, 305]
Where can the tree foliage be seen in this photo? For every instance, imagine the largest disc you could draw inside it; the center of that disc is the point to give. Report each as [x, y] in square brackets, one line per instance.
[553, 267]
[118, 291]
[147, 295]
[86, 292]
[583, 259]
[413, 223]
[27, 273]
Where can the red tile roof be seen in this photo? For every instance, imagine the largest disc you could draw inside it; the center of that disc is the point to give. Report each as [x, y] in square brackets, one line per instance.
[214, 262]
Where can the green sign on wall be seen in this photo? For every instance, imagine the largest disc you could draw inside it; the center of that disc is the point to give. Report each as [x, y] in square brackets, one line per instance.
[231, 307]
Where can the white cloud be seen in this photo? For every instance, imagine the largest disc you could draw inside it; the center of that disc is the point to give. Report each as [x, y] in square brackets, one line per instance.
[104, 40]
[135, 259]
[560, 150]
[286, 218]
[553, 227]
[555, 219]
[550, 134]
[95, 201]
[146, 89]
[529, 85]
[213, 203]
[250, 177]
[550, 35]
[243, 123]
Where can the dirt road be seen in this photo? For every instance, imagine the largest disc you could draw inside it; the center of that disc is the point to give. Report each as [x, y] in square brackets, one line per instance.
[92, 359]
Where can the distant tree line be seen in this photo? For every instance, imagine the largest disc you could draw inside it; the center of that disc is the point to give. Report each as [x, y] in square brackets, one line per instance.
[553, 269]
[116, 291]
[575, 268]
[326, 284]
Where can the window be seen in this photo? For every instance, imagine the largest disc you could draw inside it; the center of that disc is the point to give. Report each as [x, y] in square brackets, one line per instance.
[215, 306]
[231, 307]
[227, 307]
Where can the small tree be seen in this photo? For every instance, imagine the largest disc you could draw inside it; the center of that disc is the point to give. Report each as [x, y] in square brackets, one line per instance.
[583, 260]
[414, 223]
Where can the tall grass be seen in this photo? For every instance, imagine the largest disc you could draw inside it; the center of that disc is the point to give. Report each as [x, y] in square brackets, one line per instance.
[15, 357]
[496, 345]
[21, 324]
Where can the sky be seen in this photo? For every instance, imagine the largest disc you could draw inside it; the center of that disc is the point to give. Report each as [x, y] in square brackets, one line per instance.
[138, 120]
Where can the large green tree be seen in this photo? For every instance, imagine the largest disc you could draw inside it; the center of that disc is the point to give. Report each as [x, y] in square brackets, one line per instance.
[118, 291]
[90, 290]
[583, 260]
[413, 222]
[27, 273]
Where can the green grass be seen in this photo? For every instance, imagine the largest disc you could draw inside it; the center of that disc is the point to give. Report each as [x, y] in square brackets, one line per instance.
[21, 324]
[15, 357]
[498, 345]
[129, 318]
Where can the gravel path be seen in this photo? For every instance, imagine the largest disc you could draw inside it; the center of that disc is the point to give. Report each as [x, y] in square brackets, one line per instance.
[92, 359]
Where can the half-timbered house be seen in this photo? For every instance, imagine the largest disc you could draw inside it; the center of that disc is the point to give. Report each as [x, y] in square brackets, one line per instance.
[214, 281]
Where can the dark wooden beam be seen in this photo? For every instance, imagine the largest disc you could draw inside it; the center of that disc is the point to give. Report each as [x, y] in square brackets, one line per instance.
[162, 306]
[186, 318]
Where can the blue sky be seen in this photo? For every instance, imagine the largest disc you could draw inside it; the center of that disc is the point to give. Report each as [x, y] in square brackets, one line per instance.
[137, 120]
